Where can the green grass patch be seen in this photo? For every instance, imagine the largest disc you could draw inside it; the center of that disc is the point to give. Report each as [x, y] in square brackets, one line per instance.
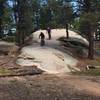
[91, 72]
[4, 71]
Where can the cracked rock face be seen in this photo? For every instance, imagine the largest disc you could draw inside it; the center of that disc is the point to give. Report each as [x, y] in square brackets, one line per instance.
[26, 62]
[47, 59]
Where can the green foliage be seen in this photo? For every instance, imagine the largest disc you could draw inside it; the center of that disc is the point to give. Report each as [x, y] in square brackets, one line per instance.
[35, 5]
[91, 72]
[4, 71]
[9, 38]
[45, 17]
[62, 13]
[79, 51]
[1, 17]
[56, 14]
[76, 24]
[7, 19]
[88, 23]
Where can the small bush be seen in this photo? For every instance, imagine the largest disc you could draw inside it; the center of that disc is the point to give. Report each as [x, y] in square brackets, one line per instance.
[79, 51]
[91, 72]
[61, 38]
[9, 38]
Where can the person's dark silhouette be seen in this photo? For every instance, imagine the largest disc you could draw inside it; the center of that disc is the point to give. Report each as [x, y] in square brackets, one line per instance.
[42, 37]
[67, 35]
[49, 33]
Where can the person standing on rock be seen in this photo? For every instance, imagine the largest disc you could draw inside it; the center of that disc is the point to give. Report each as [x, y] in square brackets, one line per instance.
[67, 34]
[49, 33]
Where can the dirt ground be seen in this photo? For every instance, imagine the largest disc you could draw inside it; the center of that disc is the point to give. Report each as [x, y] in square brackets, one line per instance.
[30, 83]
[49, 87]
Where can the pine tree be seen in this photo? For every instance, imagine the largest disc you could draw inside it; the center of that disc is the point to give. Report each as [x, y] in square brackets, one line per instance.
[2, 12]
[89, 23]
[24, 25]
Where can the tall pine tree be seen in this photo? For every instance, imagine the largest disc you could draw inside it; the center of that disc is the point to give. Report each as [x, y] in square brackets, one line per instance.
[2, 12]
[24, 25]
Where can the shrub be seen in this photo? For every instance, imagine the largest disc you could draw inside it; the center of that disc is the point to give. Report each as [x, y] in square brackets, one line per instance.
[79, 52]
[9, 38]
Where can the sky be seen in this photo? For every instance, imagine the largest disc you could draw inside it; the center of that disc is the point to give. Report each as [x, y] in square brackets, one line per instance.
[10, 3]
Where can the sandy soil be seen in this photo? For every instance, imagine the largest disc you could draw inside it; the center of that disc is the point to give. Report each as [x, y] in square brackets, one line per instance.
[48, 87]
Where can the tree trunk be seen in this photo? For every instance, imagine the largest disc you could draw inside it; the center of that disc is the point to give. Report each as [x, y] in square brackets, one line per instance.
[2, 7]
[23, 37]
[0, 28]
[67, 34]
[24, 24]
[91, 47]
[15, 11]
